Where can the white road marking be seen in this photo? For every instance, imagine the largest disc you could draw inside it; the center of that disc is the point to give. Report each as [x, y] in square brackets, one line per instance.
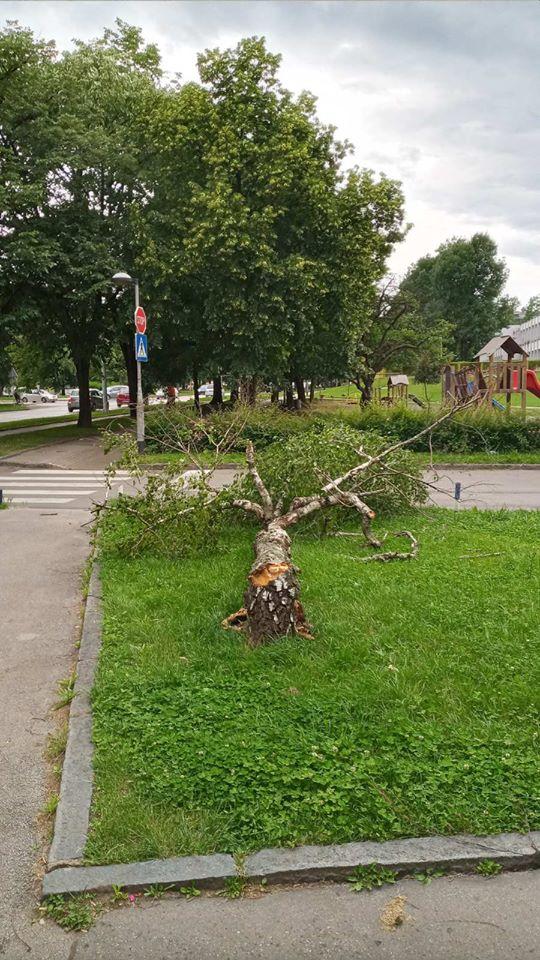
[42, 486]
[47, 500]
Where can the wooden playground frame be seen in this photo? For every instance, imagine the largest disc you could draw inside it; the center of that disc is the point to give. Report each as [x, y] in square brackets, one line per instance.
[485, 379]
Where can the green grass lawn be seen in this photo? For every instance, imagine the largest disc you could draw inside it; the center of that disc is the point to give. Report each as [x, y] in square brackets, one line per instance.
[43, 421]
[429, 393]
[28, 440]
[414, 710]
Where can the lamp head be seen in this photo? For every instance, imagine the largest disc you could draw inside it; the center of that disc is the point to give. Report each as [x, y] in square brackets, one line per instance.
[122, 279]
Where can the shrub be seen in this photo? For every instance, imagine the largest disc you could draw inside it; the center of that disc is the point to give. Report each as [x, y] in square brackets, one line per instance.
[299, 466]
[469, 432]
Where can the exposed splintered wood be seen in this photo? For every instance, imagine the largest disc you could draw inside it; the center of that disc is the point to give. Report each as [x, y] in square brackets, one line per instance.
[271, 601]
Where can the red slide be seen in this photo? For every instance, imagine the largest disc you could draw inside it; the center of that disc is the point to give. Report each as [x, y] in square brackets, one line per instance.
[533, 383]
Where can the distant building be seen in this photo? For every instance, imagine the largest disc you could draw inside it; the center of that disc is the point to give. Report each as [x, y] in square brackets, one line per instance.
[527, 335]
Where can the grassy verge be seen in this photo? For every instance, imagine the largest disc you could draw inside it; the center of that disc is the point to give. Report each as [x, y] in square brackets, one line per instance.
[413, 712]
[44, 421]
[206, 458]
[489, 459]
[27, 441]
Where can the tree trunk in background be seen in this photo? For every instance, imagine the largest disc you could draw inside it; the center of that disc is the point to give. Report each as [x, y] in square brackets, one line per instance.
[248, 390]
[196, 389]
[82, 367]
[274, 396]
[128, 353]
[301, 391]
[235, 392]
[289, 396]
[272, 608]
[366, 391]
[312, 391]
[217, 392]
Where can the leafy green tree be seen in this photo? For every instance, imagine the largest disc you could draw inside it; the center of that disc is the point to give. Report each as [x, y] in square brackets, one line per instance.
[461, 284]
[35, 364]
[74, 149]
[397, 336]
[261, 251]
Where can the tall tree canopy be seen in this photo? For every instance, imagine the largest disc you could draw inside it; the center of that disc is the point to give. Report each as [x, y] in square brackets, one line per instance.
[72, 173]
[262, 251]
[461, 284]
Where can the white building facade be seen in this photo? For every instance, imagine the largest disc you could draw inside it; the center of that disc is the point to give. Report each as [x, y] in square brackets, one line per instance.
[527, 335]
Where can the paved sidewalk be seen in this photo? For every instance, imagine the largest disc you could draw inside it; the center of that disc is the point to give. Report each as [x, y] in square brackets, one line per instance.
[41, 559]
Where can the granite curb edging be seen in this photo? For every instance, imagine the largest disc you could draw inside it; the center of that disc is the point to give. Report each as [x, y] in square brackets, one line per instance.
[73, 811]
[67, 875]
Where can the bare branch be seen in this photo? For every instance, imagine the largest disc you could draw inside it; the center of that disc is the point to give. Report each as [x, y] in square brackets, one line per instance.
[393, 554]
[250, 507]
[268, 506]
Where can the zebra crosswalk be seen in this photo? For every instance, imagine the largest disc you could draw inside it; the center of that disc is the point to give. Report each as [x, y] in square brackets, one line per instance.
[46, 487]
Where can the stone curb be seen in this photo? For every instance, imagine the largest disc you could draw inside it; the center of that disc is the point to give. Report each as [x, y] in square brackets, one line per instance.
[513, 851]
[73, 811]
[66, 875]
[206, 872]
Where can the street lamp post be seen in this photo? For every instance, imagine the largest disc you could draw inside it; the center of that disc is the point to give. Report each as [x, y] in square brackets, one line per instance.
[124, 280]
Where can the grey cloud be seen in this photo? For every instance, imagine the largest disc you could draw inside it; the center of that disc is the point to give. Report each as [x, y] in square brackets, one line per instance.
[443, 95]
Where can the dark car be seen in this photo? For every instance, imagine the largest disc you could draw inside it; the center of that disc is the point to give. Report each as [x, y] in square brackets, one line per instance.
[96, 400]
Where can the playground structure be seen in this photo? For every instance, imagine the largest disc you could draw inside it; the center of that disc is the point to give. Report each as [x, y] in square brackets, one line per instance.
[397, 391]
[485, 376]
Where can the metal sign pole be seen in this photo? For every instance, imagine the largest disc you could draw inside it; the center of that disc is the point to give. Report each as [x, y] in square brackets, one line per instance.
[140, 398]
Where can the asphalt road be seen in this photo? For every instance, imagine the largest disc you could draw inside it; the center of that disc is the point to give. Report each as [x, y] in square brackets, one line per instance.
[486, 489]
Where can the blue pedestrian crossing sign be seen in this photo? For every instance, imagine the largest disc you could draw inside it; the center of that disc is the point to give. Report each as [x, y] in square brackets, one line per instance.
[141, 347]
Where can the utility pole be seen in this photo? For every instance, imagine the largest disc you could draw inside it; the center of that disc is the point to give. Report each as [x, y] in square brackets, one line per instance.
[140, 398]
[104, 387]
[124, 279]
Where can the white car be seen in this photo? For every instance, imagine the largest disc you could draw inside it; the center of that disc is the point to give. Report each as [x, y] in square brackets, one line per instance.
[48, 397]
[206, 390]
[33, 396]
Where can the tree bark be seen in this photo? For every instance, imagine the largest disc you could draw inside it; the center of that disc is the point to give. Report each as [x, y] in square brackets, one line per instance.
[289, 396]
[300, 391]
[82, 366]
[365, 386]
[196, 389]
[271, 600]
[217, 392]
[128, 353]
[274, 396]
[235, 392]
[311, 391]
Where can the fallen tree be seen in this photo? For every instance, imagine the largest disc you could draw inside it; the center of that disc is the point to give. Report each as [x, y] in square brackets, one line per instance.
[272, 606]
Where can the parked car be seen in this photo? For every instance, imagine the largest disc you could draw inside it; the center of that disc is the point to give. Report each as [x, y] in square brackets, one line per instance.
[112, 392]
[32, 396]
[122, 399]
[48, 397]
[206, 390]
[96, 400]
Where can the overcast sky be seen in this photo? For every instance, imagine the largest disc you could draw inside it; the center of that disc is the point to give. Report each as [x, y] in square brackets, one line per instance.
[442, 95]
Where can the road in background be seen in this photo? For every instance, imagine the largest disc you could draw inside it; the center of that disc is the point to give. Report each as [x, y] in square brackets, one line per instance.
[486, 489]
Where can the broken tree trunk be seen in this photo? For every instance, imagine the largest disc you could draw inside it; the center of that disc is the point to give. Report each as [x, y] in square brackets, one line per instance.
[271, 599]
